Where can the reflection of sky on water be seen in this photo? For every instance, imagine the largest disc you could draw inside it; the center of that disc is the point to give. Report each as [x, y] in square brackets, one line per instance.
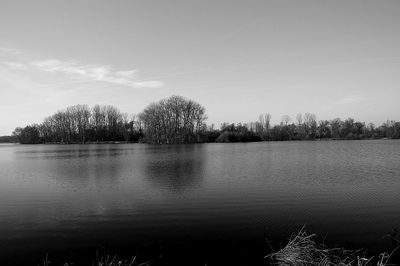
[177, 170]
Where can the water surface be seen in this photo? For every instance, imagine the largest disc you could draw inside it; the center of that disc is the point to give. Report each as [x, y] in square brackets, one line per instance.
[200, 203]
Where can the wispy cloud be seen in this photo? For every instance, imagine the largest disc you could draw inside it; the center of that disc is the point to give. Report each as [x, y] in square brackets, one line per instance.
[79, 72]
[14, 65]
[95, 73]
[350, 99]
[9, 51]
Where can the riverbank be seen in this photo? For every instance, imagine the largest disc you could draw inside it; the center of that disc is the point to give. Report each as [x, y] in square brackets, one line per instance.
[302, 249]
[225, 141]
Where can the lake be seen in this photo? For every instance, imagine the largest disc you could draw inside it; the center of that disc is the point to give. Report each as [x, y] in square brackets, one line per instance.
[214, 203]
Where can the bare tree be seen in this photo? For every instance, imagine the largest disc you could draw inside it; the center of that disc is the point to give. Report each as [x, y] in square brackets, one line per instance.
[286, 119]
[310, 125]
[173, 120]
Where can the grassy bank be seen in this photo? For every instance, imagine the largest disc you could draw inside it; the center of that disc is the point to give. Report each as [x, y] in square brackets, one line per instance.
[302, 249]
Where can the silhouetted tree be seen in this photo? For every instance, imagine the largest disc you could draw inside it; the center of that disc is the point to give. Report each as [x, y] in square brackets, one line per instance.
[180, 120]
[28, 134]
[173, 120]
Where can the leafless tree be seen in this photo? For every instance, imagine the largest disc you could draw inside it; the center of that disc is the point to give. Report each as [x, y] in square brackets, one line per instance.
[173, 120]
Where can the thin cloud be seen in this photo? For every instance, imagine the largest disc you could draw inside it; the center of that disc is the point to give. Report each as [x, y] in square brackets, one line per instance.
[350, 99]
[81, 73]
[9, 51]
[94, 73]
[14, 65]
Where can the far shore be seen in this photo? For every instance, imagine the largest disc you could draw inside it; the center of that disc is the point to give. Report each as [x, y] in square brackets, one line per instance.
[135, 142]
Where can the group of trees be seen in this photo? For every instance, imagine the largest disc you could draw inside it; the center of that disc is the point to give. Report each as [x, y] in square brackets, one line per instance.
[173, 120]
[80, 124]
[306, 127]
[8, 139]
[180, 120]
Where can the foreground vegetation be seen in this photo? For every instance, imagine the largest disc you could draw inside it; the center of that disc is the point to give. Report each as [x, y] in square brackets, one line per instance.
[301, 250]
[107, 261]
[180, 120]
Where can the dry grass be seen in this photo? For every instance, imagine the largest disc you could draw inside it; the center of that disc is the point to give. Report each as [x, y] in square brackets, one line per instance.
[302, 250]
[106, 261]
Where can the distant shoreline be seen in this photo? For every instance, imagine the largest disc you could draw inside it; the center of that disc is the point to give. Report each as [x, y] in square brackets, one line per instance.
[160, 144]
[178, 120]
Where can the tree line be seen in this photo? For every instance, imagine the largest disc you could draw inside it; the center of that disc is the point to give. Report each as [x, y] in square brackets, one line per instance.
[306, 127]
[180, 120]
[81, 124]
[8, 139]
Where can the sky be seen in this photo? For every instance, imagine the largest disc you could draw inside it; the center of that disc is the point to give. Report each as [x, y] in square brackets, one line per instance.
[237, 58]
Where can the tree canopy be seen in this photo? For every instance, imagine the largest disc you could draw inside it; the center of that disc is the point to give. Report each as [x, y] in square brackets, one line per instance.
[173, 120]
